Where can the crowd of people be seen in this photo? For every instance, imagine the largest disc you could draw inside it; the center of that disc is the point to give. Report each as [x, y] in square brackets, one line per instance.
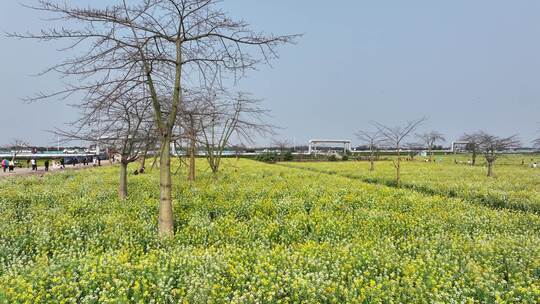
[10, 165]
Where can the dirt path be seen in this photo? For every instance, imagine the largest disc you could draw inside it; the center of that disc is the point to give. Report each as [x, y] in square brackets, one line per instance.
[21, 172]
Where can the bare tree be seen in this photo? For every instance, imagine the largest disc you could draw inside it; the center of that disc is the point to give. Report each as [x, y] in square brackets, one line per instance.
[238, 149]
[225, 116]
[429, 139]
[536, 143]
[190, 127]
[192, 133]
[492, 146]
[172, 42]
[135, 136]
[372, 140]
[473, 145]
[394, 136]
[282, 145]
[413, 149]
[17, 146]
[149, 147]
[121, 122]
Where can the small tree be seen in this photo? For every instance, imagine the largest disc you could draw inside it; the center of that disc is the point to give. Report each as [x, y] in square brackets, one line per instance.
[189, 123]
[192, 132]
[394, 136]
[473, 141]
[16, 147]
[149, 147]
[283, 145]
[413, 149]
[121, 122]
[536, 143]
[430, 139]
[372, 140]
[225, 116]
[491, 146]
[238, 149]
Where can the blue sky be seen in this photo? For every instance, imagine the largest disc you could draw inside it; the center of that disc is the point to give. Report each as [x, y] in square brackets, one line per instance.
[467, 65]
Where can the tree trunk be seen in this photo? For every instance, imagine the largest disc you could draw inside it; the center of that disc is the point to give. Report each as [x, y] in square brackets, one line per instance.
[122, 189]
[213, 161]
[430, 155]
[191, 176]
[490, 168]
[398, 169]
[474, 157]
[154, 163]
[165, 220]
[214, 167]
[142, 163]
[372, 162]
[109, 156]
[143, 160]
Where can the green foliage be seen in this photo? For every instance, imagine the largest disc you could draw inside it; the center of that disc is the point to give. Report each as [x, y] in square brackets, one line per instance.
[259, 234]
[332, 158]
[288, 156]
[268, 157]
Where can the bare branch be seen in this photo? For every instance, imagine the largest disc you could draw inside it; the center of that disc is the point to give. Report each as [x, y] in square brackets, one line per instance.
[394, 136]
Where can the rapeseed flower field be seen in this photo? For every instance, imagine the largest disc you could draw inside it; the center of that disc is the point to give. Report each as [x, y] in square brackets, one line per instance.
[515, 186]
[261, 233]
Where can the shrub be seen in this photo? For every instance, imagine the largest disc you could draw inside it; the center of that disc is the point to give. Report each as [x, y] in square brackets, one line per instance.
[288, 156]
[267, 157]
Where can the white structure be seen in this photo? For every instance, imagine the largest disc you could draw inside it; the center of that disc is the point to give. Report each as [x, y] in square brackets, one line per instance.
[459, 146]
[314, 142]
[45, 155]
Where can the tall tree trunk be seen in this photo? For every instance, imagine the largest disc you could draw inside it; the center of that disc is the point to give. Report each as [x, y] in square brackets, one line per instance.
[430, 155]
[191, 176]
[165, 220]
[474, 157]
[490, 168]
[122, 188]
